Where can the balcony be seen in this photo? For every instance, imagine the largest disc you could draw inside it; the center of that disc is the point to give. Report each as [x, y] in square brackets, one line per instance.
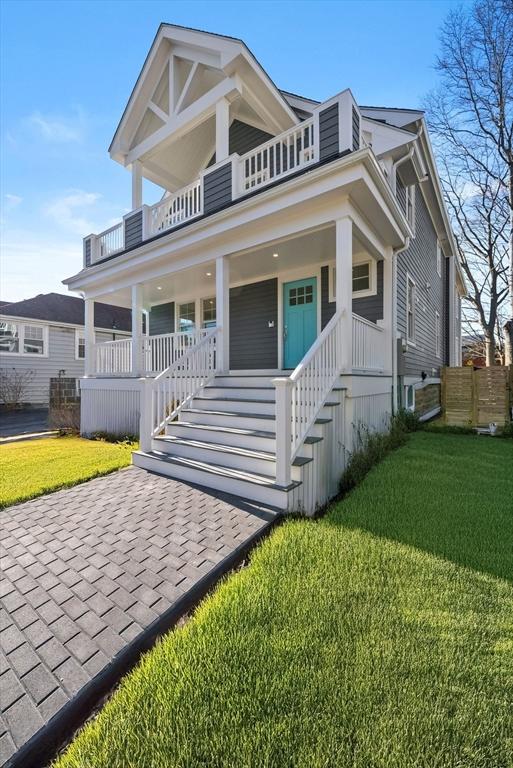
[333, 130]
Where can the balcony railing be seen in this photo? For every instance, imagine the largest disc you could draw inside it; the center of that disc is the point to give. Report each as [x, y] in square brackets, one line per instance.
[334, 129]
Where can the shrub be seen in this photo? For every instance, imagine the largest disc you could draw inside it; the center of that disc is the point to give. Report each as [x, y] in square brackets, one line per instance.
[506, 430]
[447, 429]
[110, 437]
[14, 386]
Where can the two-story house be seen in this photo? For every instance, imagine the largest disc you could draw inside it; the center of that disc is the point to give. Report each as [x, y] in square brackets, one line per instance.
[299, 275]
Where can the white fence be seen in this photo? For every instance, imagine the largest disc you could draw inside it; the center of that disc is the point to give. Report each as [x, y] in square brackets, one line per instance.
[111, 241]
[186, 204]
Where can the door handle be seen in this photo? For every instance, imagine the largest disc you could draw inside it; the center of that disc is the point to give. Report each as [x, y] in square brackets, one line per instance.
[285, 332]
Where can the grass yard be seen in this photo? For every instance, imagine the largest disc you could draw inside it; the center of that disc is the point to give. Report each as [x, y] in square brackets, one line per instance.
[32, 467]
[379, 636]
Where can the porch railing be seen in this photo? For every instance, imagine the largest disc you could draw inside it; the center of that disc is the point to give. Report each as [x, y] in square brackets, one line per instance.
[368, 345]
[162, 350]
[111, 241]
[113, 357]
[300, 397]
[164, 396]
[284, 154]
[184, 205]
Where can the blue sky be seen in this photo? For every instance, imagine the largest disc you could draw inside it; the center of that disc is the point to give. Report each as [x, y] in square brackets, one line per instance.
[67, 69]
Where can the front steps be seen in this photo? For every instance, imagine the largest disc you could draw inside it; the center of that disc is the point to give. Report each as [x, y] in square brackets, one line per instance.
[226, 440]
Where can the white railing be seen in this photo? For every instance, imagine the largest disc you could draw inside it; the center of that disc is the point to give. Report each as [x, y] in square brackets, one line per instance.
[162, 350]
[300, 397]
[113, 357]
[368, 345]
[185, 204]
[111, 241]
[166, 395]
[288, 152]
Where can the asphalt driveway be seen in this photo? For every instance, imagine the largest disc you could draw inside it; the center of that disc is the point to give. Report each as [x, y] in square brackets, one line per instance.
[23, 422]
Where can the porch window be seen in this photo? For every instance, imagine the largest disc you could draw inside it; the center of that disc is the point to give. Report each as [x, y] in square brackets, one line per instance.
[364, 277]
[410, 310]
[23, 339]
[361, 277]
[208, 312]
[187, 316]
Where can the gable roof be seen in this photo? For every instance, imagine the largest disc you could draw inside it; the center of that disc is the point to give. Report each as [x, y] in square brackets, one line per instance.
[58, 308]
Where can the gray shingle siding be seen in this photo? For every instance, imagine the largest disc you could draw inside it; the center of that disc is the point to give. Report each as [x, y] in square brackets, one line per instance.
[419, 261]
[133, 229]
[370, 307]
[253, 344]
[217, 188]
[328, 132]
[162, 319]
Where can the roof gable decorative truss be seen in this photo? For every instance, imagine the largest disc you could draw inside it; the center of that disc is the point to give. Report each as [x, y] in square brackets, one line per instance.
[185, 74]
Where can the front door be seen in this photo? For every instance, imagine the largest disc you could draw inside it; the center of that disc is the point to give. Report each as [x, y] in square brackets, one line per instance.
[299, 319]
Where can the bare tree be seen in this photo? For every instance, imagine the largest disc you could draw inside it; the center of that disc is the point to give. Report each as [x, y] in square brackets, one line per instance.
[14, 386]
[471, 116]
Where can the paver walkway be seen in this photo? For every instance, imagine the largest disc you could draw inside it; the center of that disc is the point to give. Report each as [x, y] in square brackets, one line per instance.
[90, 575]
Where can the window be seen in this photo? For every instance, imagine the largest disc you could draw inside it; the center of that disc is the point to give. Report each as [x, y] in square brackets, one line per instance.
[437, 334]
[208, 311]
[33, 341]
[301, 295]
[187, 316]
[438, 259]
[410, 310]
[79, 345]
[410, 205]
[409, 397]
[23, 339]
[9, 337]
[364, 279]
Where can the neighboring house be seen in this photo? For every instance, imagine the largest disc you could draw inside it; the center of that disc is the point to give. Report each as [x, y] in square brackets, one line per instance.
[45, 335]
[299, 275]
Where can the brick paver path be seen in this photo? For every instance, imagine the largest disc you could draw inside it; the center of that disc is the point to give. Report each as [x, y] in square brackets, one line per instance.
[87, 570]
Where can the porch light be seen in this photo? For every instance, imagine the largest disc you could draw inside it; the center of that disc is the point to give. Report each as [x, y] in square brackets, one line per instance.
[275, 255]
[159, 287]
[208, 274]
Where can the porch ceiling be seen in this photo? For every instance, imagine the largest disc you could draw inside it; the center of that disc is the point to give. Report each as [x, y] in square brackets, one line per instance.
[294, 254]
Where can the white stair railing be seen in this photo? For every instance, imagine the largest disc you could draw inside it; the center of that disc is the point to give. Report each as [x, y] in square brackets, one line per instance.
[368, 345]
[184, 205]
[300, 397]
[164, 396]
[113, 357]
[161, 350]
[284, 154]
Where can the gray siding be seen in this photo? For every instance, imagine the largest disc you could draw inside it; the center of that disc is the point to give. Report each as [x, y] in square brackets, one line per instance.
[328, 132]
[162, 319]
[133, 229]
[61, 357]
[243, 138]
[370, 307]
[419, 260]
[217, 188]
[253, 344]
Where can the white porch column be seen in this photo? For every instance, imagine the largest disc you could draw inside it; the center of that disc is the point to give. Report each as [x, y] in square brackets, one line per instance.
[344, 284]
[388, 320]
[137, 330]
[222, 130]
[136, 184]
[89, 362]
[223, 312]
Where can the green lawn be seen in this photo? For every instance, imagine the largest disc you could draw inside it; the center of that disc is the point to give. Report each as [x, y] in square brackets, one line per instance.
[32, 467]
[381, 635]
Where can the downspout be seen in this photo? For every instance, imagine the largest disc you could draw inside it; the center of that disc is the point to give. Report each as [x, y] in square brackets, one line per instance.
[395, 253]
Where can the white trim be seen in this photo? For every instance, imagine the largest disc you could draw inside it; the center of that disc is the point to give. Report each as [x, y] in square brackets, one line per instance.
[438, 333]
[411, 342]
[21, 338]
[438, 258]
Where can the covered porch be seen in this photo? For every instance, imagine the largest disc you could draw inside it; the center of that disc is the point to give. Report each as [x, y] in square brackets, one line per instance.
[268, 306]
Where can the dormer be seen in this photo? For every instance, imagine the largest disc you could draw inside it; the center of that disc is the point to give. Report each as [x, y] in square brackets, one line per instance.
[195, 94]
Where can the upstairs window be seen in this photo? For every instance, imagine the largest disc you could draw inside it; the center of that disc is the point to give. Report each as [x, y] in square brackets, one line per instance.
[23, 339]
[410, 310]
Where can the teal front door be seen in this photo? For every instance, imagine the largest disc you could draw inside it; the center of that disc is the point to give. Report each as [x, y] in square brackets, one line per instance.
[299, 319]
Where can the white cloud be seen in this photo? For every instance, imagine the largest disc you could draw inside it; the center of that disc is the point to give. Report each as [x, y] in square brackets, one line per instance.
[59, 129]
[68, 211]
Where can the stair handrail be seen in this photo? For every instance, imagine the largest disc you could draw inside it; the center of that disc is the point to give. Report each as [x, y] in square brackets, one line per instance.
[168, 393]
[300, 396]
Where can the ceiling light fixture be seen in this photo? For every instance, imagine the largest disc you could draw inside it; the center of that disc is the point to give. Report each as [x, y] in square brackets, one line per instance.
[208, 274]
[275, 255]
[159, 287]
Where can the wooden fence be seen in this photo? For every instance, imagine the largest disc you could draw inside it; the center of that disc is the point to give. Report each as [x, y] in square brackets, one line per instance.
[477, 398]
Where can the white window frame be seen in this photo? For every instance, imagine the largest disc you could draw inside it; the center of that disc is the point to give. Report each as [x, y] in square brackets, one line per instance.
[197, 314]
[357, 261]
[202, 304]
[21, 324]
[410, 204]
[79, 334]
[411, 340]
[438, 259]
[438, 330]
